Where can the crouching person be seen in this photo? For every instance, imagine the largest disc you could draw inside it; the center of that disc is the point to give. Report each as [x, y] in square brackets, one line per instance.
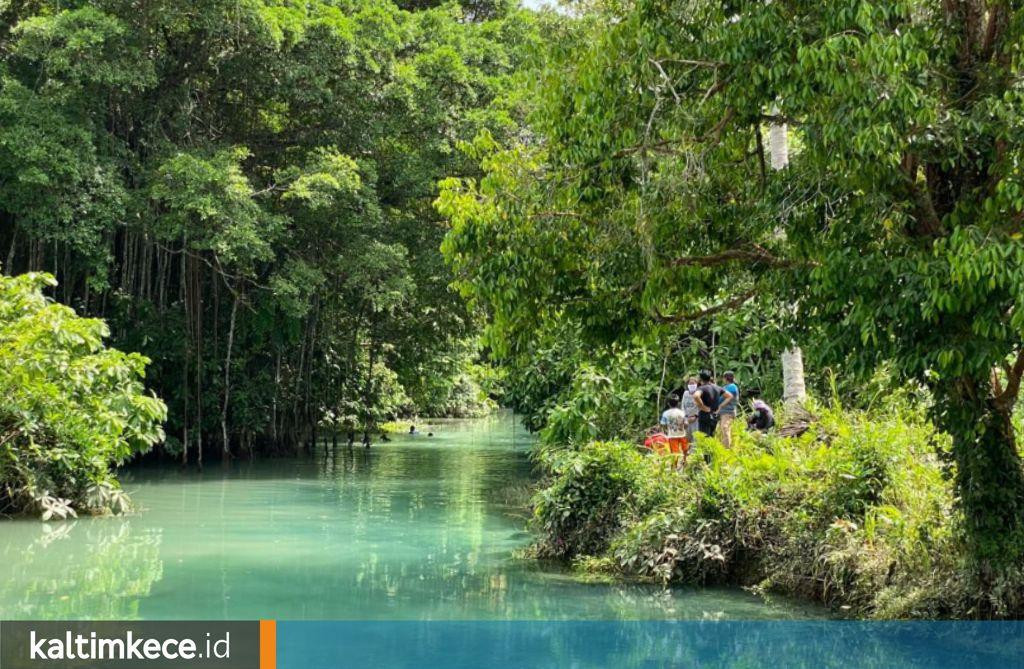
[761, 418]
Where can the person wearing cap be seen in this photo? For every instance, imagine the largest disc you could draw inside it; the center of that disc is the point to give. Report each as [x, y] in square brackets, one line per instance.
[727, 408]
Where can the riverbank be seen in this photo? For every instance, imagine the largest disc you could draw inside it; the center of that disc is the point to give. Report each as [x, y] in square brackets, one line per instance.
[856, 514]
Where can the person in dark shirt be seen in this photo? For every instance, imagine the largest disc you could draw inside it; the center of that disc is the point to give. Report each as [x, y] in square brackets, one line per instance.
[761, 418]
[708, 398]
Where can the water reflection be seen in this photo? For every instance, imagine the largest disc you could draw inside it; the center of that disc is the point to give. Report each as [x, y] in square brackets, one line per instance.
[89, 568]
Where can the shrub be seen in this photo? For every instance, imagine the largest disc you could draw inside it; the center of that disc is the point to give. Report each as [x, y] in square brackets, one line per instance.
[69, 407]
[857, 513]
[593, 493]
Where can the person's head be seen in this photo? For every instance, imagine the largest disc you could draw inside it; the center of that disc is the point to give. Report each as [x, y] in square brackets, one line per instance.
[673, 400]
[412, 428]
[691, 384]
[705, 376]
[729, 377]
[430, 434]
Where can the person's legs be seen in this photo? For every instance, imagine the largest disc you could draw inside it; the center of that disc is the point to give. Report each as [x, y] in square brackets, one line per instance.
[691, 431]
[678, 446]
[725, 429]
[706, 423]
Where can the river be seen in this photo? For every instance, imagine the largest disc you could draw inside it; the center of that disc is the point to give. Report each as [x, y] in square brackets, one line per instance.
[421, 528]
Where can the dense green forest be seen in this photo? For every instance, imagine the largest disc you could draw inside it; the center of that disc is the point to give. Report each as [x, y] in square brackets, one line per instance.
[242, 190]
[712, 184]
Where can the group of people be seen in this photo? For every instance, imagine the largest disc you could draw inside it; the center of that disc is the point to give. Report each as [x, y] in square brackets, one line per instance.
[706, 407]
[413, 432]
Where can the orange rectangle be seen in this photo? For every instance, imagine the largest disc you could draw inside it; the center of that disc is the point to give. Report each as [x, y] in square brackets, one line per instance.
[268, 644]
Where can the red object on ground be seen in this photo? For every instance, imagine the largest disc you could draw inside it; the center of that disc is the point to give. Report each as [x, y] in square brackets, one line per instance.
[657, 442]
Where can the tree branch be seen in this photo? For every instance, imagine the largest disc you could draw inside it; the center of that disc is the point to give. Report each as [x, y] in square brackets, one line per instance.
[716, 132]
[759, 137]
[780, 119]
[711, 64]
[666, 146]
[661, 146]
[1008, 397]
[557, 214]
[929, 223]
[704, 313]
[756, 254]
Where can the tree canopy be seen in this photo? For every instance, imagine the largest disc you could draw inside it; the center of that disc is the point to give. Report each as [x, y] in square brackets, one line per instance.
[646, 201]
[242, 190]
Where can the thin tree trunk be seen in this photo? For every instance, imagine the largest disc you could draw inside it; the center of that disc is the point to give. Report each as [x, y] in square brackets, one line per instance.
[778, 143]
[185, 389]
[227, 379]
[9, 265]
[277, 392]
[199, 414]
[794, 389]
[198, 298]
[661, 383]
[294, 438]
[368, 396]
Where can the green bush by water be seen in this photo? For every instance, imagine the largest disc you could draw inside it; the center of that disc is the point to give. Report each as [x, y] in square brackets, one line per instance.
[69, 406]
[596, 493]
[857, 513]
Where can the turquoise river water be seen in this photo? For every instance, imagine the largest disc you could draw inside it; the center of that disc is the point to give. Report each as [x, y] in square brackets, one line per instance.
[419, 528]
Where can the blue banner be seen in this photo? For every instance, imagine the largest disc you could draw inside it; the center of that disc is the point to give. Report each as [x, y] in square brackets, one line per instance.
[621, 645]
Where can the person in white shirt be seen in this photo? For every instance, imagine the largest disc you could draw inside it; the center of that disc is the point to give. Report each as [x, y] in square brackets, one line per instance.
[676, 422]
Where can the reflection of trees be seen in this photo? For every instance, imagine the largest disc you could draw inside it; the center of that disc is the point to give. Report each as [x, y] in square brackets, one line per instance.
[420, 528]
[91, 568]
[430, 537]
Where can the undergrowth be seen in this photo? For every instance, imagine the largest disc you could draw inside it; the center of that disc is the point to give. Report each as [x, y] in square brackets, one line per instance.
[857, 513]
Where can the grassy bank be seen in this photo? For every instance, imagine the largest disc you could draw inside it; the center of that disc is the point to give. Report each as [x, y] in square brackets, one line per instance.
[857, 513]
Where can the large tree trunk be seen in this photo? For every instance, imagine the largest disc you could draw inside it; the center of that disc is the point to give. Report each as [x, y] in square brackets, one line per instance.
[989, 477]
